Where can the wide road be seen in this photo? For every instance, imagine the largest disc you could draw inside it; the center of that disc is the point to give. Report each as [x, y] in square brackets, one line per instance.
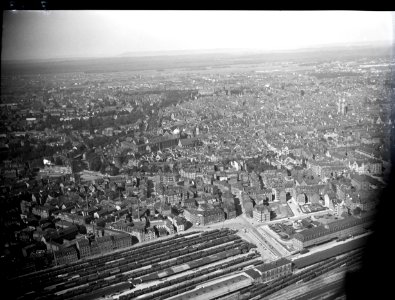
[265, 232]
[248, 232]
[263, 240]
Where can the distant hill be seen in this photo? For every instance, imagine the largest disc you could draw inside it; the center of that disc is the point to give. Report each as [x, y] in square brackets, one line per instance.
[227, 51]
[182, 52]
[169, 60]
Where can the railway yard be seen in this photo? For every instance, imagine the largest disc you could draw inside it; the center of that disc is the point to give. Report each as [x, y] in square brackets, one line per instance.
[129, 271]
[270, 250]
[192, 265]
[302, 273]
[326, 285]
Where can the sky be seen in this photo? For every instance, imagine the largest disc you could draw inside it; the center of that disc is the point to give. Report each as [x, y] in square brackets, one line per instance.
[73, 34]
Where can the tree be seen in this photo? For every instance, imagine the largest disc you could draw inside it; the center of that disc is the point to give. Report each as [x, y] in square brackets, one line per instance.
[114, 171]
[58, 161]
[96, 164]
[357, 211]
[82, 229]
[123, 158]
[68, 145]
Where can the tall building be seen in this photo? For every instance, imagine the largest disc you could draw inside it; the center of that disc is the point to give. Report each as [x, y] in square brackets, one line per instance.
[342, 107]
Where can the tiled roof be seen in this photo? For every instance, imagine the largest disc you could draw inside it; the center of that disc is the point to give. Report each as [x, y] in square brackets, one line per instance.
[253, 274]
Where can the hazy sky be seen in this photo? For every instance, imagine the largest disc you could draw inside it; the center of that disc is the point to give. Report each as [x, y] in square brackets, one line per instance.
[62, 34]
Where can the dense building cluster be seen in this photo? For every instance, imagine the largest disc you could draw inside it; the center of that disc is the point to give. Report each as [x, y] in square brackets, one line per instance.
[100, 161]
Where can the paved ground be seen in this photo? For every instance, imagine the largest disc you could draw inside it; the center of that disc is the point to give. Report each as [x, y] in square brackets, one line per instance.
[280, 249]
[294, 207]
[247, 231]
[288, 245]
[268, 243]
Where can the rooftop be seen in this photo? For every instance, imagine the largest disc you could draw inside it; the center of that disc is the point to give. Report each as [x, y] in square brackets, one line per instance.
[275, 264]
[309, 234]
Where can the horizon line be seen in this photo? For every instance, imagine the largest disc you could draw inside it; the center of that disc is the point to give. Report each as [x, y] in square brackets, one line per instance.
[160, 53]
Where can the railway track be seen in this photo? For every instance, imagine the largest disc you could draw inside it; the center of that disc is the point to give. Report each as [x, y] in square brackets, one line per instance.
[116, 272]
[268, 289]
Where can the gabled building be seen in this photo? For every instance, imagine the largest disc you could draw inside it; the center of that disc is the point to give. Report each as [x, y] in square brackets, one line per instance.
[261, 213]
[43, 211]
[230, 211]
[121, 241]
[84, 248]
[180, 224]
[204, 215]
[105, 243]
[189, 203]
[66, 255]
[275, 269]
[150, 234]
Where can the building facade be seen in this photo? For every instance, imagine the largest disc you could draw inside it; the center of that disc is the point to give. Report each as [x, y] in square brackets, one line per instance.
[338, 229]
[261, 213]
[84, 248]
[204, 216]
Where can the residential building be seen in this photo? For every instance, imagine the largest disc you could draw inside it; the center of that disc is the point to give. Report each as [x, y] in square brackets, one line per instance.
[204, 215]
[66, 255]
[150, 234]
[179, 223]
[121, 241]
[275, 269]
[105, 243]
[84, 248]
[261, 213]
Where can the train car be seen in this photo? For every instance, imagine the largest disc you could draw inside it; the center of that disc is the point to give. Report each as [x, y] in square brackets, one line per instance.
[136, 281]
[107, 290]
[137, 293]
[166, 283]
[124, 268]
[114, 271]
[69, 285]
[150, 277]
